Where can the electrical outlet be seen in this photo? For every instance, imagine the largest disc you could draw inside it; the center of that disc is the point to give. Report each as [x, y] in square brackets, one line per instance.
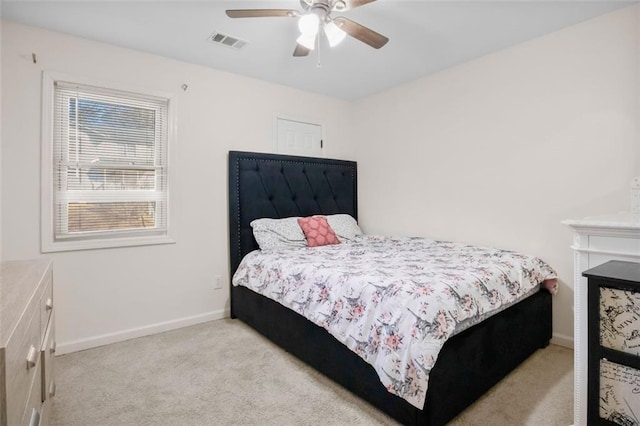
[218, 282]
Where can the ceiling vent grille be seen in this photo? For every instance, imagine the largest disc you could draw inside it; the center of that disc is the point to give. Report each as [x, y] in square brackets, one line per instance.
[227, 40]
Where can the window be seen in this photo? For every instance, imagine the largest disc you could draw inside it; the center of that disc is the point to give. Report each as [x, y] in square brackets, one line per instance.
[105, 166]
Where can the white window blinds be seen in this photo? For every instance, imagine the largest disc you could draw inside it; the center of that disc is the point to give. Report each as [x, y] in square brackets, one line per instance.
[109, 163]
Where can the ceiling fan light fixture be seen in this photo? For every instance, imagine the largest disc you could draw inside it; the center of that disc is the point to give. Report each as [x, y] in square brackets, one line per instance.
[334, 33]
[307, 40]
[316, 14]
[309, 24]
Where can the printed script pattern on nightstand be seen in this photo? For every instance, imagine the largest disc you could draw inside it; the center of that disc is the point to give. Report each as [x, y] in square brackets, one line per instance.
[619, 319]
[619, 393]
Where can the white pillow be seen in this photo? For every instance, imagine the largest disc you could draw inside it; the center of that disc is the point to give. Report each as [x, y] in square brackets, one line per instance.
[345, 226]
[277, 234]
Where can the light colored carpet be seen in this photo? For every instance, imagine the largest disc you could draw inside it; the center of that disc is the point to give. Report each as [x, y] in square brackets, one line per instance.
[224, 373]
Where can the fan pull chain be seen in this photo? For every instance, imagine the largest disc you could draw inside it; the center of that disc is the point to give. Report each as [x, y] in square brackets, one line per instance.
[318, 65]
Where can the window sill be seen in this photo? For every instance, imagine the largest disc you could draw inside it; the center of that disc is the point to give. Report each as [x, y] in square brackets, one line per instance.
[54, 246]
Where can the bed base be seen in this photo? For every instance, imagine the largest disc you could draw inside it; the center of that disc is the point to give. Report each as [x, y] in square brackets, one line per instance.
[469, 364]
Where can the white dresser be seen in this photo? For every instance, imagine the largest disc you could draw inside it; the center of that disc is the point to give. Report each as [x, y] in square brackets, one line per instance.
[597, 240]
[27, 342]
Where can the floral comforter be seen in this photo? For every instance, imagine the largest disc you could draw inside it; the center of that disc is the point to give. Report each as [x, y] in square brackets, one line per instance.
[394, 301]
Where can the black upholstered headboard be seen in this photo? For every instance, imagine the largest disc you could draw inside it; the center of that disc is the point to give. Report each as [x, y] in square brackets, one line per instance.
[278, 186]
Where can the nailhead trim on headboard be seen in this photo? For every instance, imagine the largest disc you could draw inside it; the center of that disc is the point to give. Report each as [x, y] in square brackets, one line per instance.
[340, 199]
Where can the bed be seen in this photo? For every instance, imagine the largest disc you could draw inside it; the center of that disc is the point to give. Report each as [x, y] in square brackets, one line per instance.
[469, 363]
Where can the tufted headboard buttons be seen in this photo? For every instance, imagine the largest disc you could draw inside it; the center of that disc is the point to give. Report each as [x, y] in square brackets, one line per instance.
[278, 186]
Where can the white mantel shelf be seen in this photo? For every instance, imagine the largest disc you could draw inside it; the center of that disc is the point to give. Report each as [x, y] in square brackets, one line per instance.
[612, 224]
[597, 239]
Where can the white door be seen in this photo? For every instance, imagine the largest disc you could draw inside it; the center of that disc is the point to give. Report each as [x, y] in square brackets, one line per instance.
[298, 138]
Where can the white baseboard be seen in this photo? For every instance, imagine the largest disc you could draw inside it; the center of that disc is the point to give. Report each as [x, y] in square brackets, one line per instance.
[132, 333]
[562, 340]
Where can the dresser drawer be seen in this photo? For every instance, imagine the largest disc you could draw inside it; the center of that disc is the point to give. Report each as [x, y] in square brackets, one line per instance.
[45, 415]
[22, 367]
[48, 379]
[46, 303]
[32, 414]
[47, 361]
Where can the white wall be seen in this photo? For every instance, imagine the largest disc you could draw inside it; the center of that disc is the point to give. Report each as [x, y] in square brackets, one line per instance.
[499, 150]
[0, 134]
[496, 151]
[105, 295]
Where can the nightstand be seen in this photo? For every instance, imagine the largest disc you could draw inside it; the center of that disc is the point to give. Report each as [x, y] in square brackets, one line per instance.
[613, 312]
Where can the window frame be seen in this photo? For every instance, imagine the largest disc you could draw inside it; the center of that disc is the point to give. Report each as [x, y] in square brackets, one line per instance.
[119, 237]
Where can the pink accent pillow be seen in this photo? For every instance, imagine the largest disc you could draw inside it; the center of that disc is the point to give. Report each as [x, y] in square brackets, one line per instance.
[317, 231]
[551, 285]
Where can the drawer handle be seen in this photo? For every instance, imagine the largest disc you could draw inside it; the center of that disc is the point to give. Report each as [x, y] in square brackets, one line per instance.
[35, 418]
[32, 357]
[49, 304]
[53, 347]
[52, 390]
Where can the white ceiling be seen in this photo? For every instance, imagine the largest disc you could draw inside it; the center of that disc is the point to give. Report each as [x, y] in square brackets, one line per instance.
[425, 36]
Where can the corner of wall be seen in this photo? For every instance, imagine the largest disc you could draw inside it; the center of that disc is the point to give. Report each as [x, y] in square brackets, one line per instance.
[637, 91]
[1, 134]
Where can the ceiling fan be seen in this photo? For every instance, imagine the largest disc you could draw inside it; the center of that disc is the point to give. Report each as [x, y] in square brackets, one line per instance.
[316, 14]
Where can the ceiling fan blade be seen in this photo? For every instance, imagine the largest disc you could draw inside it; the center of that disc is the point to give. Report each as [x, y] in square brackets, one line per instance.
[301, 51]
[305, 4]
[352, 4]
[262, 13]
[360, 32]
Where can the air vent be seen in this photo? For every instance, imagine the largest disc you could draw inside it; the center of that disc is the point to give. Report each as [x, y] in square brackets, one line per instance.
[227, 40]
